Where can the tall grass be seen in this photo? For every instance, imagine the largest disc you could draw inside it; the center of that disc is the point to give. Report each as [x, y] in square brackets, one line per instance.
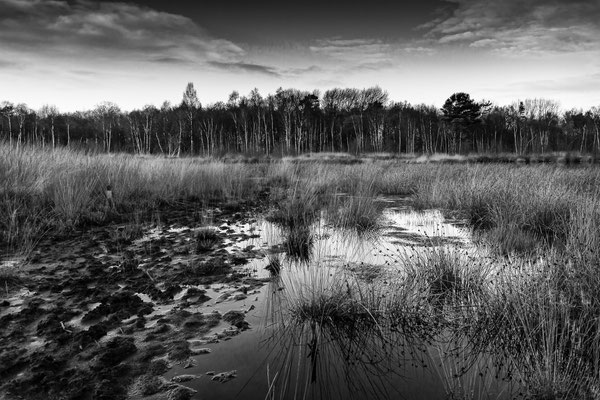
[43, 190]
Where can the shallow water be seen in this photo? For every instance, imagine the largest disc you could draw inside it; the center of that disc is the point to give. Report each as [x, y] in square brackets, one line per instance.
[402, 230]
[283, 357]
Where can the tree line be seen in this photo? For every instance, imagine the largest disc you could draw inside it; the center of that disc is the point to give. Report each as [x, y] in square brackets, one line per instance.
[292, 121]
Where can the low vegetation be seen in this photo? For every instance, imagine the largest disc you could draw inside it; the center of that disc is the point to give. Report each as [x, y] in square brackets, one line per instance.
[530, 298]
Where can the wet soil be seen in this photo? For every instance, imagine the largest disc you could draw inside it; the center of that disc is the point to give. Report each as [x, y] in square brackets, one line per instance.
[105, 312]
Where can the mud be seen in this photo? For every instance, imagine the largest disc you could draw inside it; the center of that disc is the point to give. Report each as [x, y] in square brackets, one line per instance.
[104, 312]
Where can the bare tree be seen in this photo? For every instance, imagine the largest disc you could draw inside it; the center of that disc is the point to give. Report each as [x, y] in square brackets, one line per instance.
[191, 104]
[49, 113]
[106, 114]
[21, 111]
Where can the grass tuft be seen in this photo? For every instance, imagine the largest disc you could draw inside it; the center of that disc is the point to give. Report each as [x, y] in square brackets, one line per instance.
[206, 239]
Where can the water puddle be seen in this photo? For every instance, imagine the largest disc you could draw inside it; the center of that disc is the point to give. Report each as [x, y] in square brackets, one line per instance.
[340, 324]
[402, 230]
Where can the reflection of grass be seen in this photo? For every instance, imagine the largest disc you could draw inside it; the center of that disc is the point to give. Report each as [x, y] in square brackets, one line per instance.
[274, 265]
[541, 322]
[299, 242]
[335, 331]
[467, 374]
[325, 317]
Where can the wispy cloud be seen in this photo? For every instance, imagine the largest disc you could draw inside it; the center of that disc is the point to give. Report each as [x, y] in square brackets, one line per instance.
[107, 31]
[575, 83]
[311, 69]
[518, 26]
[352, 50]
[418, 50]
[245, 67]
[349, 56]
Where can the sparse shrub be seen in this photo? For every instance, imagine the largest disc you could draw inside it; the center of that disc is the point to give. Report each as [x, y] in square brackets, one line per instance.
[206, 239]
[126, 233]
[209, 268]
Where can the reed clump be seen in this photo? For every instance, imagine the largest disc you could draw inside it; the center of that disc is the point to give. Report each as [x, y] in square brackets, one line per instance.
[360, 212]
[447, 275]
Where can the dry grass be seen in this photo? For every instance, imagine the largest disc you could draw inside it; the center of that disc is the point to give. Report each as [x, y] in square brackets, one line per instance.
[44, 190]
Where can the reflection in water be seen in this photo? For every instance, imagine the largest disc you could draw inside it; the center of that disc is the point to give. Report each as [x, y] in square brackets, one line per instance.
[326, 344]
[367, 317]
[335, 336]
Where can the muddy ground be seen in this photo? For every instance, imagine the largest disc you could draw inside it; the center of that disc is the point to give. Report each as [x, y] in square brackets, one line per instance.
[104, 312]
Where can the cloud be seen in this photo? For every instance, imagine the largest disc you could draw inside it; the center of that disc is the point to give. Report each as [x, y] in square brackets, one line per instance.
[457, 37]
[106, 31]
[353, 50]
[312, 69]
[419, 50]
[575, 84]
[519, 26]
[245, 67]
[83, 72]
[7, 64]
[170, 60]
[353, 55]
[484, 43]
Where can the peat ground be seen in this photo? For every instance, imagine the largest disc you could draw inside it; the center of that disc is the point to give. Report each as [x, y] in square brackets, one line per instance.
[92, 312]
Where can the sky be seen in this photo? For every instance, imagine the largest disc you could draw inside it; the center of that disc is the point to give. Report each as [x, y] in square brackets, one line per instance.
[75, 54]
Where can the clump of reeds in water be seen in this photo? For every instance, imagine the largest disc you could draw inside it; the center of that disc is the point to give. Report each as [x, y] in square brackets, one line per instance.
[446, 274]
[361, 213]
[331, 329]
[296, 207]
[296, 210]
[355, 205]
